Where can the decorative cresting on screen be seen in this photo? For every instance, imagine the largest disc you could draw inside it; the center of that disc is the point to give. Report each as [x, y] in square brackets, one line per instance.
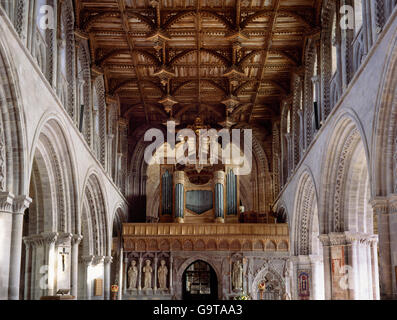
[144, 237]
[166, 187]
[231, 193]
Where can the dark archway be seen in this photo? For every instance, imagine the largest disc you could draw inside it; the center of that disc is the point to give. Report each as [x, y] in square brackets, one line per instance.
[199, 282]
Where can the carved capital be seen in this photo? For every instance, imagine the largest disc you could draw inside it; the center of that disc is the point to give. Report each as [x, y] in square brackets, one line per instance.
[87, 260]
[64, 238]
[385, 205]
[21, 203]
[98, 259]
[50, 238]
[76, 238]
[108, 259]
[6, 201]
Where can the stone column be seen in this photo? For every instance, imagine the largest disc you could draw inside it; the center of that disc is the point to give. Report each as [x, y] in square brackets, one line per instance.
[21, 203]
[179, 183]
[290, 167]
[125, 282]
[26, 295]
[6, 201]
[50, 240]
[155, 273]
[120, 275]
[219, 185]
[75, 264]
[353, 261]
[324, 239]
[88, 261]
[375, 266]
[317, 281]
[34, 285]
[386, 210]
[110, 153]
[370, 295]
[119, 162]
[106, 276]
[140, 275]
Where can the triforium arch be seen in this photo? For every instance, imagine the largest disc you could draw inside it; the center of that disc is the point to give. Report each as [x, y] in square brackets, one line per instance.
[66, 57]
[309, 86]
[384, 172]
[349, 239]
[94, 251]
[99, 119]
[307, 248]
[84, 90]
[52, 218]
[330, 82]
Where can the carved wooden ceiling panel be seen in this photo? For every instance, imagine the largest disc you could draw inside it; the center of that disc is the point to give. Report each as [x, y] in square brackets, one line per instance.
[181, 58]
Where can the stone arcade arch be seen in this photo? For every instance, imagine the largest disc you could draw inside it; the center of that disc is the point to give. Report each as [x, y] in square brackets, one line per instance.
[94, 251]
[51, 220]
[274, 285]
[13, 173]
[117, 253]
[350, 245]
[305, 235]
[181, 270]
[384, 171]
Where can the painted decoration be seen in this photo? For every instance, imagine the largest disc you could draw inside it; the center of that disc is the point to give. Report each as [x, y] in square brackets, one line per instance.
[304, 284]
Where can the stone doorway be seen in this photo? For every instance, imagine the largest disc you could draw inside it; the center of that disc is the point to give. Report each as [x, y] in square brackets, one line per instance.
[199, 282]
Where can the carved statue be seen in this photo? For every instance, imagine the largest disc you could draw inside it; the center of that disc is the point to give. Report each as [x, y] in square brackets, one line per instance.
[286, 296]
[162, 274]
[287, 270]
[147, 270]
[132, 275]
[237, 275]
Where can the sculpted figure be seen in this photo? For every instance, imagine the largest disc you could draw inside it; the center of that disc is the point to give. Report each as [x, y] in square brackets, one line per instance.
[147, 270]
[237, 275]
[132, 275]
[162, 274]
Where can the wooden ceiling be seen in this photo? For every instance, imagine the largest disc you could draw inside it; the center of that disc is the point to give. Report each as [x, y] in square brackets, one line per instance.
[196, 56]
